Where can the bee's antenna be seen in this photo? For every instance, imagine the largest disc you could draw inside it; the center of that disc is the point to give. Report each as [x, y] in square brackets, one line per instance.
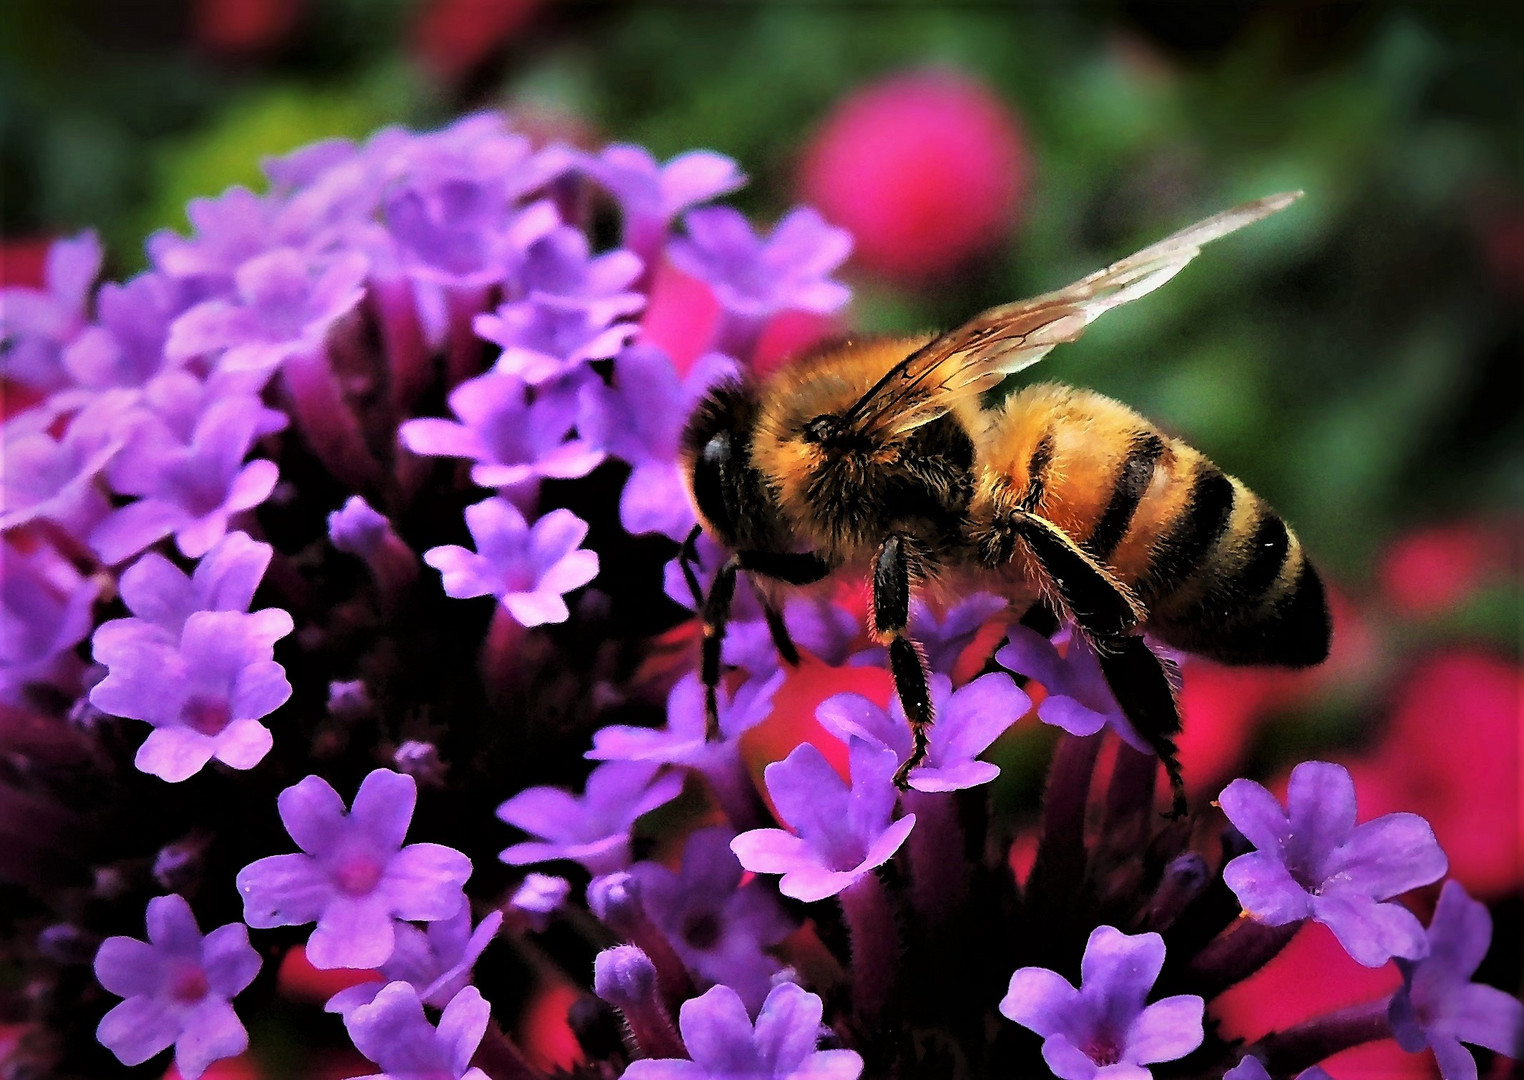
[687, 556]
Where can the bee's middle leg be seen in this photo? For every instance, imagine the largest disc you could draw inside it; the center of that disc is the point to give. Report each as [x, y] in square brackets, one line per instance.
[891, 618]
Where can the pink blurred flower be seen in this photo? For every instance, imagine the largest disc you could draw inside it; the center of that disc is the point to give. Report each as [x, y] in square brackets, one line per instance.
[925, 169]
[452, 37]
[1433, 569]
[245, 26]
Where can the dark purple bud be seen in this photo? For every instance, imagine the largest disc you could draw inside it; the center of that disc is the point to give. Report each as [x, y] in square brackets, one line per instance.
[420, 760]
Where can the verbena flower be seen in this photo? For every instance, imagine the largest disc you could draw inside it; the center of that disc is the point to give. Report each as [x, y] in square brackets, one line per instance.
[436, 961]
[38, 323]
[354, 876]
[1104, 1028]
[1251, 1068]
[46, 608]
[725, 1045]
[1439, 1007]
[177, 987]
[1314, 862]
[394, 1033]
[754, 277]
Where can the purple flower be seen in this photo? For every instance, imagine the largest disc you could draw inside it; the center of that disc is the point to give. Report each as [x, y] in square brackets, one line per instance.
[529, 570]
[943, 640]
[393, 1032]
[177, 986]
[841, 832]
[56, 478]
[36, 324]
[437, 961]
[546, 337]
[725, 1045]
[355, 878]
[559, 268]
[510, 439]
[1079, 699]
[460, 231]
[1439, 1007]
[968, 720]
[651, 195]
[46, 609]
[639, 420]
[1103, 1029]
[756, 278]
[203, 690]
[682, 741]
[719, 927]
[1314, 862]
[191, 490]
[125, 348]
[539, 896]
[595, 829]
[159, 594]
[230, 229]
[286, 303]
[1251, 1068]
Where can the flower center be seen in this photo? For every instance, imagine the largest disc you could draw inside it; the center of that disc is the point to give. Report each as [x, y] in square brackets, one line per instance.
[357, 875]
[208, 715]
[1103, 1049]
[188, 984]
[701, 930]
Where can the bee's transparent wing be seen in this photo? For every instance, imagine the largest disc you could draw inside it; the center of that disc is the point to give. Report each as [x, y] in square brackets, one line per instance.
[1004, 340]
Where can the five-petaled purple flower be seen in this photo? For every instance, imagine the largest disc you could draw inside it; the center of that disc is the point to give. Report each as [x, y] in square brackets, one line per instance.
[355, 878]
[725, 1045]
[595, 829]
[651, 195]
[46, 608]
[177, 986]
[436, 961]
[942, 640]
[393, 1032]
[528, 568]
[755, 278]
[1314, 862]
[968, 720]
[841, 832]
[1079, 699]
[1439, 1007]
[1104, 1029]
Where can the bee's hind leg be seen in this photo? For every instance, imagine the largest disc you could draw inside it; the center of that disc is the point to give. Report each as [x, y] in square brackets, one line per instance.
[1144, 686]
[891, 618]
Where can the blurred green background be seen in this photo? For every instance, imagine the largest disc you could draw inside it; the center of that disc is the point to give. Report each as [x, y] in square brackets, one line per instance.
[1356, 359]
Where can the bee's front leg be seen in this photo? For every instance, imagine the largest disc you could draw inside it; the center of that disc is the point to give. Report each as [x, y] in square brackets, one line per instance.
[716, 617]
[891, 617]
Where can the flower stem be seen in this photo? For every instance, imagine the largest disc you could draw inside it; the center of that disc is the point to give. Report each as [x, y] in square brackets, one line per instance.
[938, 871]
[875, 944]
[735, 792]
[1238, 953]
[1288, 1052]
[501, 1060]
[326, 420]
[1060, 864]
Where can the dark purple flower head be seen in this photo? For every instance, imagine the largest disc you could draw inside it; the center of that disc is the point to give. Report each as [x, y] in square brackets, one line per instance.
[436, 961]
[942, 640]
[756, 278]
[1104, 1029]
[191, 490]
[529, 569]
[595, 829]
[58, 478]
[683, 741]
[286, 303]
[161, 595]
[1439, 1007]
[538, 897]
[1079, 699]
[36, 324]
[355, 879]
[1314, 862]
[177, 986]
[46, 609]
[719, 927]
[1251, 1068]
[968, 720]
[510, 439]
[393, 1032]
[725, 1045]
[841, 832]
[203, 690]
[639, 419]
[651, 195]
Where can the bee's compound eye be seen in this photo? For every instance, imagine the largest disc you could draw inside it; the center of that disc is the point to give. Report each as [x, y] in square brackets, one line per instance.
[717, 449]
[710, 481]
[822, 429]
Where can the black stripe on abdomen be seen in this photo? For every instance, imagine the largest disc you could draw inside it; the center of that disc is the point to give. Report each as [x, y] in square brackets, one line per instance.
[1267, 550]
[1136, 473]
[1201, 523]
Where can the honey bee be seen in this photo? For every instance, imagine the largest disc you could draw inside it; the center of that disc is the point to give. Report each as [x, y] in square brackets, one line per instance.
[876, 455]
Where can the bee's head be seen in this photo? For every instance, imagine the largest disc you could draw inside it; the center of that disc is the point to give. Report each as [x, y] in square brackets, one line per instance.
[732, 501]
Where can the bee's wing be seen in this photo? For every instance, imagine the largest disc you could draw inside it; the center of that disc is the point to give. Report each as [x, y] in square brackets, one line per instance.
[1004, 340]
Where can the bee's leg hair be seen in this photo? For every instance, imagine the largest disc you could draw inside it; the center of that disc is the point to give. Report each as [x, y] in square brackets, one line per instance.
[1145, 690]
[687, 556]
[1100, 604]
[791, 568]
[716, 616]
[891, 617]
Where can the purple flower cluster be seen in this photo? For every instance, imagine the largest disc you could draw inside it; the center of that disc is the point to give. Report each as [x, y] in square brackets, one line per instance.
[410, 353]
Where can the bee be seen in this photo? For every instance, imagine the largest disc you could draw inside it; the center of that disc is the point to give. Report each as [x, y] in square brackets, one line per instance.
[877, 456]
